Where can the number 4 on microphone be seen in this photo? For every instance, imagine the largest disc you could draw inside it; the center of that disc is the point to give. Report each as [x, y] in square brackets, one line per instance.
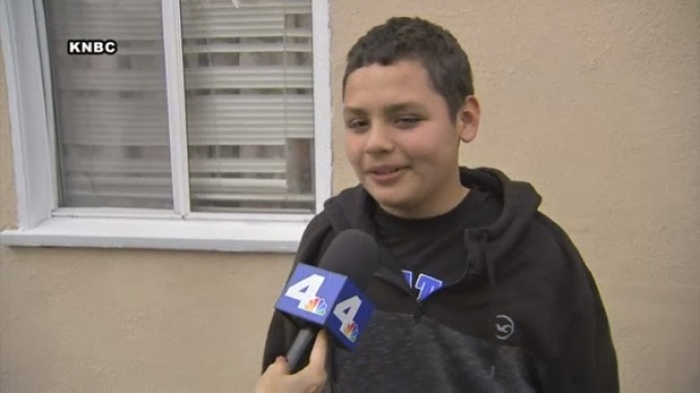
[326, 299]
[305, 292]
[345, 311]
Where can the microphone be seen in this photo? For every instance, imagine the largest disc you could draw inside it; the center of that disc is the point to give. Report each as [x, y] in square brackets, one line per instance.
[331, 296]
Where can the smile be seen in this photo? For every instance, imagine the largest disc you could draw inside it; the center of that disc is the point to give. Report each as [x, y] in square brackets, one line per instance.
[386, 175]
[385, 171]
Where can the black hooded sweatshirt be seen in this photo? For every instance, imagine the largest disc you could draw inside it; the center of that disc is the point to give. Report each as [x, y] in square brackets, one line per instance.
[522, 315]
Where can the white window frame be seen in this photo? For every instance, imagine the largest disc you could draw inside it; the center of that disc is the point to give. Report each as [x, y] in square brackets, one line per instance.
[42, 223]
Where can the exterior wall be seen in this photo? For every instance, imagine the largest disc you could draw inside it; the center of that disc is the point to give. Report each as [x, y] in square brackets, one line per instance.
[596, 103]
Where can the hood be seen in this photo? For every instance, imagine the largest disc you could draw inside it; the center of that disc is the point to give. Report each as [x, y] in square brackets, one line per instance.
[354, 208]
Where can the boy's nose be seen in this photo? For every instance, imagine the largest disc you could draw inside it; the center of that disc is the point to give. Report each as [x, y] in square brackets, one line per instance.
[379, 140]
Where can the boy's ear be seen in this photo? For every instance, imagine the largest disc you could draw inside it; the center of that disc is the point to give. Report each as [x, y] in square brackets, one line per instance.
[468, 119]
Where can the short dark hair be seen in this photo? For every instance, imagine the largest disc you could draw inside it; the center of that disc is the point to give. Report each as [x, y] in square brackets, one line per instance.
[435, 48]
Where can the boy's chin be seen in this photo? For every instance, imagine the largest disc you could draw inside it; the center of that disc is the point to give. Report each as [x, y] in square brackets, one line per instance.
[384, 197]
[393, 204]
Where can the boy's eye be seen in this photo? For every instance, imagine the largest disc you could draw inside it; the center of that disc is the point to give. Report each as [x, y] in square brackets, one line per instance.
[357, 124]
[407, 122]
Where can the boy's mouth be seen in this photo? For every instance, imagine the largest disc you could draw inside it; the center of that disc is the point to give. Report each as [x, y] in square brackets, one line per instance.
[384, 170]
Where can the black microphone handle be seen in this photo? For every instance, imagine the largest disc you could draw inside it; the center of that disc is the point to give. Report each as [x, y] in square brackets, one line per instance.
[303, 341]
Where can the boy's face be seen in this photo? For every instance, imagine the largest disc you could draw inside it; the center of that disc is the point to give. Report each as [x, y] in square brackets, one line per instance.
[402, 142]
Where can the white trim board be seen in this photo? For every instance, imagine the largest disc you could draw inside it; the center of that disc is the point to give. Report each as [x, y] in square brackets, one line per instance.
[159, 234]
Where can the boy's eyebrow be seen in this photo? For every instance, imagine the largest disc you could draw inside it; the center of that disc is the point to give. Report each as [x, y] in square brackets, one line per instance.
[391, 109]
[348, 110]
[402, 106]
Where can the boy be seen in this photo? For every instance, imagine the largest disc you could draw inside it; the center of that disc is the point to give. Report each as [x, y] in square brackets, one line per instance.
[477, 291]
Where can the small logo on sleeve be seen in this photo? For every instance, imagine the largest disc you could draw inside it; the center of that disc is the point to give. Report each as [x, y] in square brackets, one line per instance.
[92, 47]
[504, 327]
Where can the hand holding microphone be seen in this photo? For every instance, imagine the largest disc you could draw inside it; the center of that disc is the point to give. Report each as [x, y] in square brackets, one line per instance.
[311, 379]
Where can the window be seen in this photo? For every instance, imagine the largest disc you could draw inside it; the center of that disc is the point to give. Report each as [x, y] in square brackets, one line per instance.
[207, 129]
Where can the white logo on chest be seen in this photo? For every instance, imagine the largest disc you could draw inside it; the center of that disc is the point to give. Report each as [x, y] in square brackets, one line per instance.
[504, 327]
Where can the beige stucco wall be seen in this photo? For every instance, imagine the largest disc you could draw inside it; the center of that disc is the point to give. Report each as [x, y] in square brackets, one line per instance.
[597, 103]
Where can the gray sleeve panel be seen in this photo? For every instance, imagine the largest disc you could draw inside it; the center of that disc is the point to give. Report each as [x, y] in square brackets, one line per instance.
[397, 353]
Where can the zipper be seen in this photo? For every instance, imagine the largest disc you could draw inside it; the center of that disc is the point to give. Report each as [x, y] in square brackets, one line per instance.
[420, 310]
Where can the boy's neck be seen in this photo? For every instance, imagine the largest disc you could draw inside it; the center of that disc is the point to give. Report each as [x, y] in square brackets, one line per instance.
[451, 199]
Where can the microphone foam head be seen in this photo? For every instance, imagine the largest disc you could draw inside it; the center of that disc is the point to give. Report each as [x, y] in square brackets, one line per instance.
[354, 254]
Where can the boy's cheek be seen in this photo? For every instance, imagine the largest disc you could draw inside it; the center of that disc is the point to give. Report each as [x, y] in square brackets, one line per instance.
[354, 155]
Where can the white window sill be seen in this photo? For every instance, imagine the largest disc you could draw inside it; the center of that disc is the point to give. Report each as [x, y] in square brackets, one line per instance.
[280, 237]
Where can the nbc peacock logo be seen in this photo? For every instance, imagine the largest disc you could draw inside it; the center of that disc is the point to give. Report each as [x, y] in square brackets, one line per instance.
[316, 305]
[350, 331]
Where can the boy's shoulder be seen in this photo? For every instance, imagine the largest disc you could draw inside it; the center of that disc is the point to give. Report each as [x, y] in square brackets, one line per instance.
[316, 238]
[547, 254]
[550, 233]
